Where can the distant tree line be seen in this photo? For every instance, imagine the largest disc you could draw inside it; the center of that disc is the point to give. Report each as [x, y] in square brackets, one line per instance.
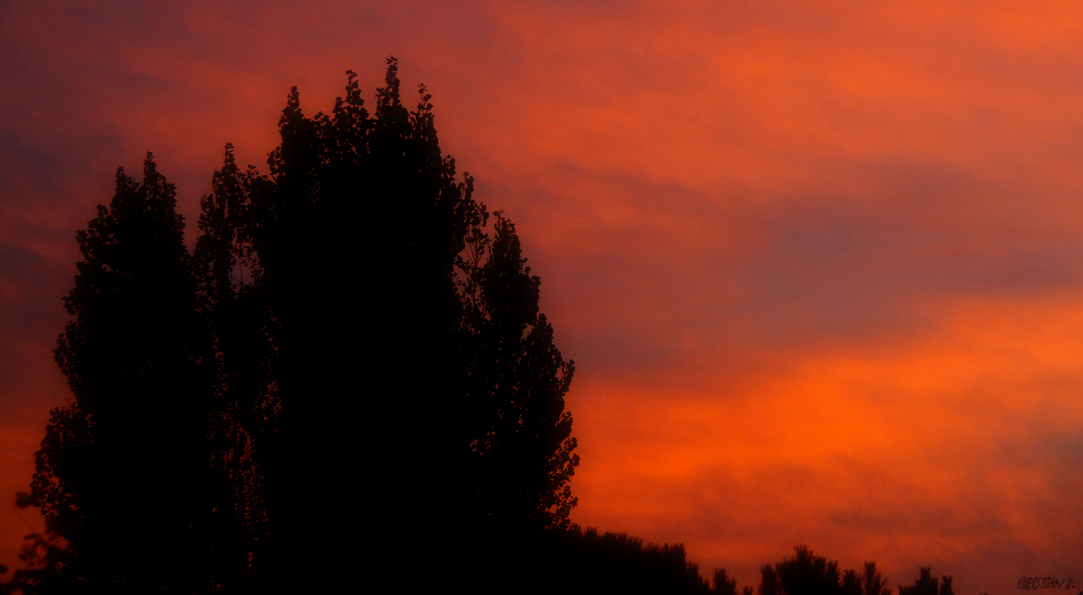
[808, 574]
[577, 561]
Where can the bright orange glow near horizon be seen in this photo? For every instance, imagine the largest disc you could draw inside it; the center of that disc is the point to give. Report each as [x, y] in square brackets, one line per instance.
[820, 267]
[952, 430]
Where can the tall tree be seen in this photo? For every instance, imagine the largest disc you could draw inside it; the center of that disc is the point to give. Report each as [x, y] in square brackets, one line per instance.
[122, 472]
[237, 361]
[356, 231]
[350, 353]
[368, 242]
[522, 442]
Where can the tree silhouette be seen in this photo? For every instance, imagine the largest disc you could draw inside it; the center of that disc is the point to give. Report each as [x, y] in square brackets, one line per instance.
[769, 581]
[808, 574]
[376, 262]
[723, 583]
[927, 584]
[945, 586]
[589, 562]
[851, 584]
[357, 237]
[353, 358]
[236, 372]
[44, 564]
[122, 472]
[872, 582]
[351, 353]
[354, 235]
[522, 444]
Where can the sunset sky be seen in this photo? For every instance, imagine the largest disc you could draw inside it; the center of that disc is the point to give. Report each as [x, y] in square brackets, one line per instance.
[819, 265]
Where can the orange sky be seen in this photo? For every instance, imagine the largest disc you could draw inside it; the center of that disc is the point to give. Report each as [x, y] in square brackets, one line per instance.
[820, 267]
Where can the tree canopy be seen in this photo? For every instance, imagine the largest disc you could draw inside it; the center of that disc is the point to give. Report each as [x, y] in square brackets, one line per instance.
[351, 354]
[349, 376]
[125, 462]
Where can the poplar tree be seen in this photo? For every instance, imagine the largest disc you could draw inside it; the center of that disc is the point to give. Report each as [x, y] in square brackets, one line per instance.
[122, 472]
[522, 445]
[378, 265]
[352, 355]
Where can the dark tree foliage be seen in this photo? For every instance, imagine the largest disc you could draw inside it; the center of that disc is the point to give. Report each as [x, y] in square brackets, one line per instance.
[768, 581]
[236, 372]
[872, 582]
[349, 378]
[398, 352]
[851, 584]
[350, 356]
[589, 562]
[577, 561]
[517, 383]
[808, 574]
[927, 584]
[44, 565]
[723, 583]
[122, 473]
